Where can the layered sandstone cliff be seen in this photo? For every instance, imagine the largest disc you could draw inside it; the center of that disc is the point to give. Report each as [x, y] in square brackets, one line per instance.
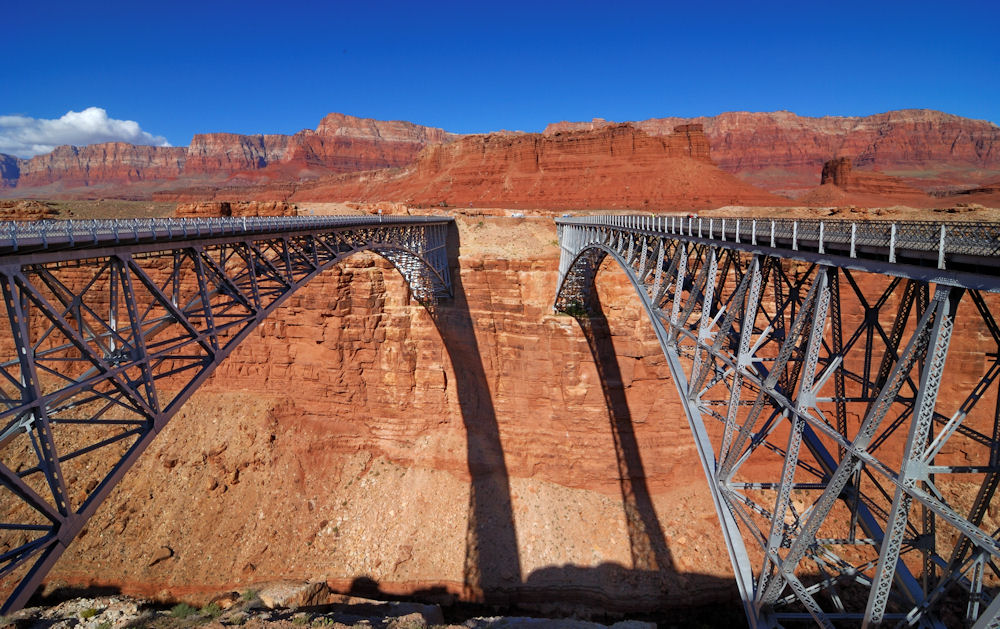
[398, 131]
[109, 163]
[339, 144]
[840, 172]
[988, 194]
[227, 153]
[360, 440]
[778, 151]
[616, 166]
[783, 151]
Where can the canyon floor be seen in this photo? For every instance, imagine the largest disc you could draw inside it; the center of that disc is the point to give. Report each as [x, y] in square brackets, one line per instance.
[254, 609]
[473, 453]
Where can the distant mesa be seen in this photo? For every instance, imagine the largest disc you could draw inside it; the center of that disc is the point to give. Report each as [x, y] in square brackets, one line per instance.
[841, 173]
[911, 156]
[340, 143]
[842, 184]
[783, 152]
[988, 194]
[614, 167]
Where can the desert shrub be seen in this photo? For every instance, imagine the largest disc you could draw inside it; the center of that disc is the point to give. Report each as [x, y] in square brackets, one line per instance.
[182, 610]
[212, 610]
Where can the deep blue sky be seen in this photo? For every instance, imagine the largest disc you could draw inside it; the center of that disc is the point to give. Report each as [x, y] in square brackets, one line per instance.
[180, 68]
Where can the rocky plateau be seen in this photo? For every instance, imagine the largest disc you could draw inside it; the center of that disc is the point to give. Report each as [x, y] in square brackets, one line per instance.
[783, 152]
[340, 143]
[779, 153]
[617, 166]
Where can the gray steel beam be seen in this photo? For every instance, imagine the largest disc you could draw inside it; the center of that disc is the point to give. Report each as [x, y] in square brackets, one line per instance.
[239, 273]
[790, 377]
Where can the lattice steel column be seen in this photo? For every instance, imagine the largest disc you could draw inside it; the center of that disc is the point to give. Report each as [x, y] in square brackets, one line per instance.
[831, 425]
[97, 361]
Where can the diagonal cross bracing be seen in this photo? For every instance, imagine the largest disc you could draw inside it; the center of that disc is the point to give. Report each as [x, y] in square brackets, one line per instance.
[844, 403]
[114, 324]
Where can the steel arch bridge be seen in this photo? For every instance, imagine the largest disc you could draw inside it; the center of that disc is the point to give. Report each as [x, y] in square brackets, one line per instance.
[852, 459]
[114, 324]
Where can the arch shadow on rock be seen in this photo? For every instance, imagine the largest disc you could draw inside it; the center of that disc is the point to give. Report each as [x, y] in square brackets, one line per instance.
[650, 588]
[647, 542]
[492, 571]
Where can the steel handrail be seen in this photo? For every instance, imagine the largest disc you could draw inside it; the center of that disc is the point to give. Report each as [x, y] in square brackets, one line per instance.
[940, 239]
[17, 236]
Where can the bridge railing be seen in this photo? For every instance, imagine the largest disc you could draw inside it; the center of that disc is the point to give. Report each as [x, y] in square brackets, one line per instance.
[19, 236]
[934, 240]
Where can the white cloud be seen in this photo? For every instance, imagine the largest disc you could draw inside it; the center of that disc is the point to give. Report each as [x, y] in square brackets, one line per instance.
[25, 137]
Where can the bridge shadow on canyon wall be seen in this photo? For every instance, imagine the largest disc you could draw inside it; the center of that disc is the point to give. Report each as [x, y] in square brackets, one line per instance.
[651, 587]
[647, 541]
[493, 574]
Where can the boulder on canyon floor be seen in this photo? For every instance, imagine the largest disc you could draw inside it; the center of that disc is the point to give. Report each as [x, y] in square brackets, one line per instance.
[18, 210]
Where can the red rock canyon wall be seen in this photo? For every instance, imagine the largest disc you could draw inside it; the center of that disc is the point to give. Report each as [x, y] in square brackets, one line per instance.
[783, 151]
[617, 166]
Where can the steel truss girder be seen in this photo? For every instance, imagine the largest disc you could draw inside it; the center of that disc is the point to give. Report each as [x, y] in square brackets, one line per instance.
[846, 486]
[107, 342]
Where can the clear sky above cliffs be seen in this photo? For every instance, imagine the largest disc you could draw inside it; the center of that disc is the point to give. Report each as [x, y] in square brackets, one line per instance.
[179, 68]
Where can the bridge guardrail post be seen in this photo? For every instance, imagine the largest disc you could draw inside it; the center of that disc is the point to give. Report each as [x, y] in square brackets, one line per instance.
[941, 248]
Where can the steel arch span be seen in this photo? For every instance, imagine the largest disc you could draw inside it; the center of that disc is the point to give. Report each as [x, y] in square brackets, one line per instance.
[852, 458]
[114, 324]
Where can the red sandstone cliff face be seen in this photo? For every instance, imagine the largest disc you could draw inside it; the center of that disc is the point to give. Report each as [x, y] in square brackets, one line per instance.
[227, 153]
[339, 144]
[397, 131]
[340, 442]
[783, 151]
[988, 194]
[617, 166]
[112, 162]
[841, 184]
[10, 171]
[841, 173]
[778, 151]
